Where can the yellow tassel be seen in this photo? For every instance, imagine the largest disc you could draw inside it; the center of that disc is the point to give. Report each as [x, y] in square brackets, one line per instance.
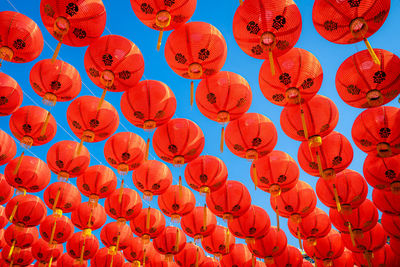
[241, 2]
[146, 156]
[19, 163]
[178, 237]
[227, 239]
[197, 258]
[180, 187]
[372, 52]
[148, 219]
[103, 95]
[89, 223]
[56, 51]
[82, 251]
[45, 124]
[320, 170]
[253, 167]
[335, 193]
[56, 199]
[50, 261]
[118, 238]
[221, 144]
[11, 249]
[144, 258]
[191, 93]
[205, 217]
[53, 231]
[160, 35]
[13, 212]
[271, 62]
[353, 241]
[299, 238]
[121, 191]
[112, 261]
[303, 122]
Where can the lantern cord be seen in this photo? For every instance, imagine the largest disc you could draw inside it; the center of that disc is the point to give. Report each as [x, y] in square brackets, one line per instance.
[53, 231]
[253, 260]
[148, 219]
[271, 62]
[82, 251]
[191, 93]
[299, 238]
[277, 213]
[56, 199]
[45, 124]
[103, 95]
[11, 249]
[335, 193]
[255, 176]
[51, 261]
[146, 157]
[319, 163]
[178, 237]
[121, 191]
[180, 187]
[221, 144]
[353, 241]
[19, 163]
[227, 240]
[197, 258]
[56, 51]
[13, 212]
[205, 217]
[372, 52]
[160, 36]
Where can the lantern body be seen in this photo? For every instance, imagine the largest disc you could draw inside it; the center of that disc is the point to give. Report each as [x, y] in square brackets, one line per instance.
[395, 245]
[6, 190]
[381, 257]
[275, 173]
[66, 260]
[336, 20]
[375, 132]
[123, 205]
[345, 260]
[177, 201]
[240, 255]
[191, 255]
[63, 159]
[88, 216]
[370, 241]
[327, 248]
[258, 32]
[199, 223]
[89, 122]
[386, 201]
[206, 174]
[363, 84]
[138, 251]
[291, 256]
[43, 251]
[114, 63]
[104, 257]
[272, 244]
[382, 173]
[21, 37]
[195, 50]
[76, 242]
[21, 237]
[223, 97]
[3, 218]
[251, 136]
[11, 95]
[30, 211]
[149, 104]
[98, 181]
[67, 196]
[220, 242]
[230, 201]
[170, 242]
[116, 234]
[58, 81]
[22, 257]
[179, 141]
[149, 223]
[298, 78]
[391, 224]
[64, 228]
[28, 122]
[8, 148]
[86, 20]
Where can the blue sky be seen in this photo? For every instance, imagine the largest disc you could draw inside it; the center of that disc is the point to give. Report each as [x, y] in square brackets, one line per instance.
[122, 21]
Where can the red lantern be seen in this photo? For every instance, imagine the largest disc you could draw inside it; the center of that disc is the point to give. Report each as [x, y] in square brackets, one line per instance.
[139, 253]
[275, 173]
[152, 178]
[63, 229]
[313, 119]
[158, 260]
[22, 40]
[267, 35]
[191, 255]
[149, 223]
[170, 242]
[63, 196]
[386, 201]
[211, 262]
[11, 94]
[117, 234]
[20, 257]
[383, 173]
[149, 104]
[66, 260]
[313, 226]
[395, 245]
[291, 256]
[375, 131]
[348, 22]
[26, 211]
[254, 223]
[206, 174]
[382, 257]
[362, 84]
[369, 242]
[391, 224]
[98, 181]
[3, 218]
[299, 78]
[20, 237]
[55, 81]
[239, 255]
[88, 216]
[63, 159]
[163, 15]
[345, 260]
[82, 245]
[8, 148]
[220, 242]
[327, 156]
[360, 220]
[45, 252]
[106, 257]
[251, 136]
[176, 202]
[33, 126]
[326, 248]
[114, 63]
[6, 191]
[91, 122]
[273, 244]
[199, 223]
[230, 201]
[27, 173]
[179, 141]
[347, 190]
[123, 204]
[74, 24]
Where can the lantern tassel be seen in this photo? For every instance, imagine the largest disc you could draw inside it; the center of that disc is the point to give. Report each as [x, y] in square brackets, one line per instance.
[160, 36]
[191, 93]
[56, 51]
[197, 258]
[205, 217]
[121, 191]
[50, 261]
[372, 52]
[227, 239]
[11, 249]
[45, 124]
[221, 144]
[103, 95]
[19, 163]
[148, 219]
[146, 157]
[178, 237]
[335, 193]
[271, 62]
[253, 167]
[299, 238]
[353, 241]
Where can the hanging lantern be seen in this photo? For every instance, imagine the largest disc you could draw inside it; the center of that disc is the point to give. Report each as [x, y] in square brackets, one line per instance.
[22, 40]
[106, 257]
[219, 243]
[20, 237]
[46, 253]
[252, 136]
[345, 260]
[62, 196]
[8, 148]
[63, 159]
[11, 94]
[73, 23]
[148, 224]
[6, 190]
[348, 22]
[63, 229]
[138, 253]
[191, 255]
[382, 257]
[395, 245]
[211, 262]
[176, 202]
[21, 257]
[82, 246]
[117, 234]
[170, 242]
[55, 82]
[123, 204]
[199, 223]
[26, 211]
[88, 216]
[299, 78]
[3, 217]
[206, 174]
[290, 256]
[391, 224]
[230, 201]
[179, 141]
[66, 260]
[386, 201]
[383, 173]
[275, 173]
[239, 254]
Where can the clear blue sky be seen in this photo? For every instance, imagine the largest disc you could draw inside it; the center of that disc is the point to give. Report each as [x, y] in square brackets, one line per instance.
[122, 21]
